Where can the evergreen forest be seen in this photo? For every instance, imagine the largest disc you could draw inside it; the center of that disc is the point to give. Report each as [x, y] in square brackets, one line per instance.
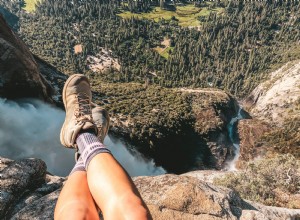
[235, 44]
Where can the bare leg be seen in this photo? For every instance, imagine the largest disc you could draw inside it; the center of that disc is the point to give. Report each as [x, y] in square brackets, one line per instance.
[114, 191]
[75, 200]
[107, 182]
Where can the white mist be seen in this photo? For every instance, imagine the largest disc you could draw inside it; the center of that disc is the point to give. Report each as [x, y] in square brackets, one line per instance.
[30, 128]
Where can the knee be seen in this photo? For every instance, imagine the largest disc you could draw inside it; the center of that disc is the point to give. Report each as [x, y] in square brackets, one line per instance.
[82, 212]
[138, 212]
[134, 208]
[76, 210]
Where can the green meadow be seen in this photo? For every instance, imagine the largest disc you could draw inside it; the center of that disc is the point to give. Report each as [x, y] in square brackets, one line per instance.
[30, 5]
[186, 15]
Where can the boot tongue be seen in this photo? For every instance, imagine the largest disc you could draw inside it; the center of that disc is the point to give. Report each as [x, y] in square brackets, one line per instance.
[90, 126]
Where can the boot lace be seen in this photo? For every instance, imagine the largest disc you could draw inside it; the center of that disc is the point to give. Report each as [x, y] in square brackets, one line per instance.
[83, 110]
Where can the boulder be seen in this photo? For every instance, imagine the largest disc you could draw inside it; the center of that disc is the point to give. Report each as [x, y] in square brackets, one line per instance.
[19, 73]
[24, 184]
[184, 197]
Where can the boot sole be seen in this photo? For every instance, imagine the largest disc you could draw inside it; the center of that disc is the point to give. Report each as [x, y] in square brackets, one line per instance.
[64, 100]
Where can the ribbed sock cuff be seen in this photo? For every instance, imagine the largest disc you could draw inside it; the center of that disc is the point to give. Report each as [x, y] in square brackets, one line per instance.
[79, 166]
[85, 139]
[89, 146]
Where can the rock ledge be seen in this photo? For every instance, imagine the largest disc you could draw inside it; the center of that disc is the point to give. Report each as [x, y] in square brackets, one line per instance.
[28, 192]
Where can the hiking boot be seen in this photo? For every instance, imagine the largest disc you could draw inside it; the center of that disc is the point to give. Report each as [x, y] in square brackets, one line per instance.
[101, 119]
[77, 101]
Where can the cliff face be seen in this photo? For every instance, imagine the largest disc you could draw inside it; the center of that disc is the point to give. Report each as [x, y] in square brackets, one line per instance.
[54, 77]
[278, 98]
[275, 105]
[181, 129]
[19, 72]
[27, 192]
[250, 133]
[213, 110]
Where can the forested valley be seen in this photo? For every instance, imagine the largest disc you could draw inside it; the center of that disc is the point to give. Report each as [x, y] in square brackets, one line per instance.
[232, 48]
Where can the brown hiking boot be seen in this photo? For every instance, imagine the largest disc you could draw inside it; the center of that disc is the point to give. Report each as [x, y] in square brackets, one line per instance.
[101, 119]
[77, 101]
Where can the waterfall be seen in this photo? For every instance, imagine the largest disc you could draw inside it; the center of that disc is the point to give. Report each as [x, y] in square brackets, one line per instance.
[30, 128]
[231, 165]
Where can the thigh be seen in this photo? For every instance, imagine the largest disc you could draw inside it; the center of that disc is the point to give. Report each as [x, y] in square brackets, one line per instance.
[114, 191]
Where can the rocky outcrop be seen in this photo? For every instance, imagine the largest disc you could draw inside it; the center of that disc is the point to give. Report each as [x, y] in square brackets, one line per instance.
[253, 211]
[189, 123]
[279, 97]
[250, 210]
[189, 198]
[276, 102]
[206, 175]
[26, 189]
[102, 61]
[250, 131]
[28, 192]
[213, 109]
[19, 73]
[183, 197]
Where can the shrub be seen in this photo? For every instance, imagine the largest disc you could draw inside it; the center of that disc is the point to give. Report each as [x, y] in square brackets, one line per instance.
[271, 181]
[284, 139]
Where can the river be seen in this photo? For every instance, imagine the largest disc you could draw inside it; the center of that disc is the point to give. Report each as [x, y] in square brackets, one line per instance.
[233, 135]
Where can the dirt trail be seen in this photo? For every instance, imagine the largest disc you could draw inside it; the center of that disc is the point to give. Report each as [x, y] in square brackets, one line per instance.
[202, 91]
